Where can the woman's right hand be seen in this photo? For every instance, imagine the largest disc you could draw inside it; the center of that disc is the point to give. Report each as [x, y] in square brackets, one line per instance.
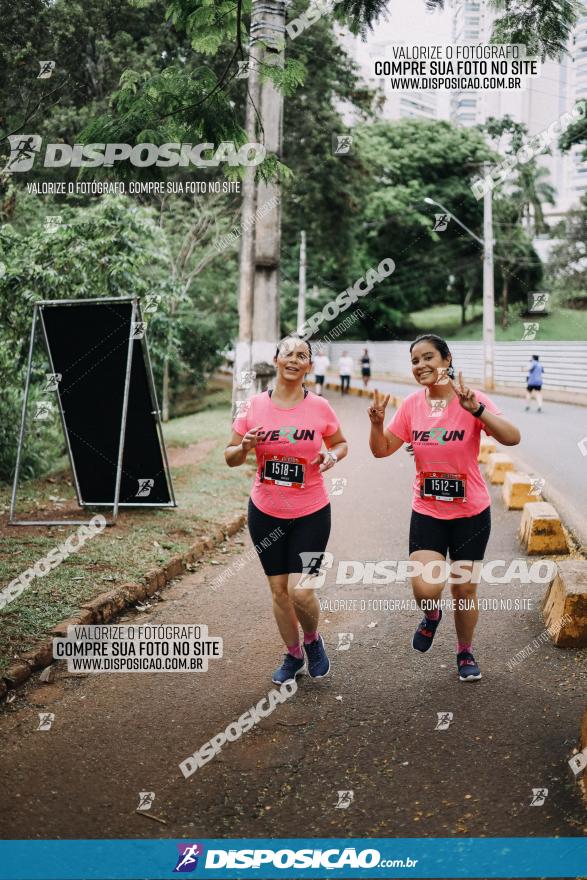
[377, 409]
[250, 439]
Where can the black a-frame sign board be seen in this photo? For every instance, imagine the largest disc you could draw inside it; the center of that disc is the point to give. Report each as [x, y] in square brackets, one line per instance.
[101, 383]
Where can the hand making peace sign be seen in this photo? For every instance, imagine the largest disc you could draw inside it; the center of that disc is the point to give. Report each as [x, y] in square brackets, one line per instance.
[377, 409]
[467, 397]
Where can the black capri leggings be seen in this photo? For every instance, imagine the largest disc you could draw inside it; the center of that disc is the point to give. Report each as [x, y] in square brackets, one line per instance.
[289, 545]
[464, 538]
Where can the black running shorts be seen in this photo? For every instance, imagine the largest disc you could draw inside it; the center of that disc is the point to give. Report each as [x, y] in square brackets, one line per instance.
[280, 553]
[465, 538]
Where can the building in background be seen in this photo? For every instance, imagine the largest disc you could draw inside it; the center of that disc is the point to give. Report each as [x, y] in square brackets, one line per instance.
[545, 99]
[472, 23]
[578, 166]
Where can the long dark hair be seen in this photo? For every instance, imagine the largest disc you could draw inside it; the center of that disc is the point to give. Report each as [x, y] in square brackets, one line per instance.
[441, 347]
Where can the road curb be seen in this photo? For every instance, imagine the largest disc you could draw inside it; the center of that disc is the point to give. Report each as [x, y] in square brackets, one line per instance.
[107, 605]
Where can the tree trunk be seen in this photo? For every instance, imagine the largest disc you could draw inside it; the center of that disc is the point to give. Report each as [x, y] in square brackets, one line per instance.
[165, 394]
[166, 370]
[465, 304]
[505, 296]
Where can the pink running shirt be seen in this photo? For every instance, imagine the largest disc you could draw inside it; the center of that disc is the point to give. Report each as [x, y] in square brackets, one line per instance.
[446, 442]
[295, 432]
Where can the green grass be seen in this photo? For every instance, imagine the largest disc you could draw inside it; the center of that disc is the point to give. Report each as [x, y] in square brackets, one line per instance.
[562, 324]
[207, 494]
[444, 318]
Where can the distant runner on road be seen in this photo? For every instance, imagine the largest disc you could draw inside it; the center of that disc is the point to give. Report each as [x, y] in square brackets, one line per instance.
[345, 369]
[289, 510]
[365, 367]
[534, 382]
[321, 364]
[451, 505]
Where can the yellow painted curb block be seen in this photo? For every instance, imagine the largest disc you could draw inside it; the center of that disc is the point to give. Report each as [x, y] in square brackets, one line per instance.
[541, 530]
[517, 490]
[498, 463]
[565, 605]
[486, 448]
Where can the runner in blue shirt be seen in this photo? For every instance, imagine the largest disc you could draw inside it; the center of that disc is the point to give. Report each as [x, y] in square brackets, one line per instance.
[534, 382]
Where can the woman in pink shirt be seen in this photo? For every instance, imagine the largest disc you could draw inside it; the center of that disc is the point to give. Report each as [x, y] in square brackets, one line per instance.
[451, 505]
[289, 511]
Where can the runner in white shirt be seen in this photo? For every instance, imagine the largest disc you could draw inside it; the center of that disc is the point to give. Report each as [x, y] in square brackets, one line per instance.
[345, 369]
[321, 364]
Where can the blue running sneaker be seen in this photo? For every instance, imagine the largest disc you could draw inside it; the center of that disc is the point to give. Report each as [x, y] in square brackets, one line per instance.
[318, 662]
[424, 635]
[468, 669]
[288, 670]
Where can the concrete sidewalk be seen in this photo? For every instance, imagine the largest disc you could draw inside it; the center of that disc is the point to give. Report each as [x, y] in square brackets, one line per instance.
[369, 728]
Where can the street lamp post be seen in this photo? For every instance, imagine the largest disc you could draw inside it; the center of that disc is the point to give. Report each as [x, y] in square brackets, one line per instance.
[488, 284]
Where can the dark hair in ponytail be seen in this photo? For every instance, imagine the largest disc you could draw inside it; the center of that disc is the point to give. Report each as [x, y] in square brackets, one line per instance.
[441, 347]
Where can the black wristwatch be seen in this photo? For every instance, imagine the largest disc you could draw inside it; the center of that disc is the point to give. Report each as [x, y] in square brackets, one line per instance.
[479, 412]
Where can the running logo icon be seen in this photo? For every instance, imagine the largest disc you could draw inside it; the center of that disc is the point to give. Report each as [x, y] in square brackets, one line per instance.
[344, 641]
[315, 566]
[441, 222]
[46, 719]
[539, 795]
[146, 799]
[530, 330]
[53, 222]
[538, 484]
[52, 381]
[578, 762]
[152, 301]
[444, 720]
[342, 144]
[46, 71]
[338, 485]
[43, 410]
[247, 378]
[145, 486]
[437, 407]
[241, 408]
[345, 799]
[23, 150]
[538, 302]
[187, 860]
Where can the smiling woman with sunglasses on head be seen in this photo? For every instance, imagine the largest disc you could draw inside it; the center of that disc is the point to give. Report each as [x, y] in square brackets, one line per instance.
[287, 427]
[451, 505]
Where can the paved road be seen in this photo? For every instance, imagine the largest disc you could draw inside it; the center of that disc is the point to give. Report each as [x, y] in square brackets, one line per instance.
[369, 727]
[549, 449]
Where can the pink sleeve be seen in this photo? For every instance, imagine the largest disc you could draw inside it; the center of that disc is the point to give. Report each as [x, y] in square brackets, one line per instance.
[241, 423]
[332, 423]
[400, 424]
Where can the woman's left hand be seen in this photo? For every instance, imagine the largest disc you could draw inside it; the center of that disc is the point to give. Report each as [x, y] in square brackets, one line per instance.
[326, 461]
[467, 397]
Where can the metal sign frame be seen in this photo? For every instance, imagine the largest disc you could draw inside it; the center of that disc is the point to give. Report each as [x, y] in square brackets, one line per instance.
[116, 504]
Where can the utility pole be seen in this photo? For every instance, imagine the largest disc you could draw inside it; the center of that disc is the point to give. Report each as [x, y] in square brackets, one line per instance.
[488, 290]
[261, 206]
[302, 284]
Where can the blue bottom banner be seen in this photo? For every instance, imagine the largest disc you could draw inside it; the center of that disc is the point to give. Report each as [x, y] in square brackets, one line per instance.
[416, 857]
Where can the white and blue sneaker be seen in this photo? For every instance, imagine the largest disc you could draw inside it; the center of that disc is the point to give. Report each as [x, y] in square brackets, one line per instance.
[467, 666]
[288, 670]
[318, 662]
